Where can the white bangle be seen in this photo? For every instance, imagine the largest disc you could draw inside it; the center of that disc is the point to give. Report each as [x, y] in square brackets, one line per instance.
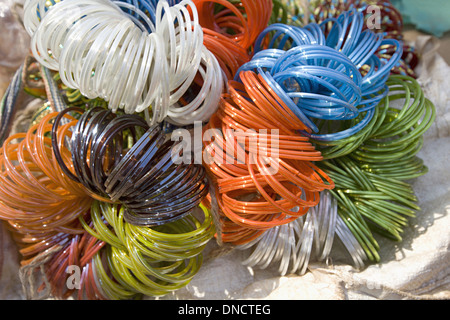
[106, 53]
[202, 107]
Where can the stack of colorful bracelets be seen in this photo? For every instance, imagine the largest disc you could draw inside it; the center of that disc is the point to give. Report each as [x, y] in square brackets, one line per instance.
[311, 125]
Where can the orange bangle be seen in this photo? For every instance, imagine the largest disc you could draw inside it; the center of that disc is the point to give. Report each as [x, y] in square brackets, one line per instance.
[267, 98]
[228, 53]
[250, 198]
[230, 33]
[40, 203]
[216, 22]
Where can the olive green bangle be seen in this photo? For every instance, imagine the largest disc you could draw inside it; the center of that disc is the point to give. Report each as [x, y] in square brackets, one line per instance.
[40, 113]
[74, 98]
[143, 260]
[287, 12]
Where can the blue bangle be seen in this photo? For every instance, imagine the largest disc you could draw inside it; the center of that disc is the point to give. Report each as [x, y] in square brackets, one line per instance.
[328, 80]
[146, 6]
[345, 133]
[287, 100]
[298, 36]
[328, 71]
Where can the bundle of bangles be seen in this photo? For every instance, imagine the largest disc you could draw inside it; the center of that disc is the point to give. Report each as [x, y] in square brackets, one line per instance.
[310, 125]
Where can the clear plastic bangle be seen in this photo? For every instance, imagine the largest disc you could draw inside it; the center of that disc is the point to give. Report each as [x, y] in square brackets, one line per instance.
[309, 238]
[349, 241]
[325, 224]
[290, 245]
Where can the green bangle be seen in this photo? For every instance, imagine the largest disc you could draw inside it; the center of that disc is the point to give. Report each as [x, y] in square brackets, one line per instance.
[392, 146]
[370, 180]
[369, 202]
[392, 134]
